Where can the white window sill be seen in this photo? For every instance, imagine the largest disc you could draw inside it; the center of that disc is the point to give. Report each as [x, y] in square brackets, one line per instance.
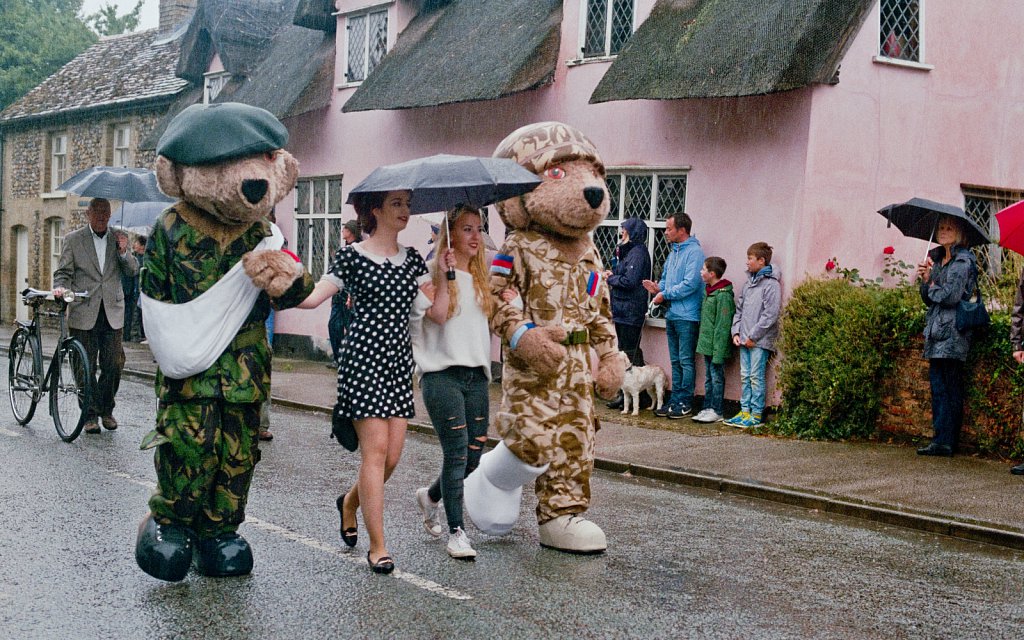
[54, 195]
[655, 322]
[348, 85]
[908, 64]
[578, 61]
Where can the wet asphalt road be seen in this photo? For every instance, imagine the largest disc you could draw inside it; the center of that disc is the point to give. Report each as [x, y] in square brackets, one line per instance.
[682, 562]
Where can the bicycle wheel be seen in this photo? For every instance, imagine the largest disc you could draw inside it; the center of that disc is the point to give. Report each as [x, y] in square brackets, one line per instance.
[24, 375]
[71, 391]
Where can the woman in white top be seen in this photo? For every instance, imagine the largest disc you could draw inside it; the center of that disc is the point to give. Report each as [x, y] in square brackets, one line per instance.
[452, 348]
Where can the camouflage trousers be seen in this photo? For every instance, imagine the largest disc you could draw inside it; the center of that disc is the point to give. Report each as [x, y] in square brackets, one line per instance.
[206, 452]
[553, 422]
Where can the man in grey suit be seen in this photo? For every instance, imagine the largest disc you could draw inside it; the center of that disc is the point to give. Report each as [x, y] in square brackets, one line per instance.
[93, 260]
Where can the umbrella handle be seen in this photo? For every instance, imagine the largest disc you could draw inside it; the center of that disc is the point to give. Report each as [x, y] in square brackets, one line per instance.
[448, 238]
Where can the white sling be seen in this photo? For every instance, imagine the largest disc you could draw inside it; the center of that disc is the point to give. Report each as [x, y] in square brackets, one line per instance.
[187, 338]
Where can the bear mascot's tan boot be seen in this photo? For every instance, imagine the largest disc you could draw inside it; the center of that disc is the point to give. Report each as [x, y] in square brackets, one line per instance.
[574, 534]
[493, 491]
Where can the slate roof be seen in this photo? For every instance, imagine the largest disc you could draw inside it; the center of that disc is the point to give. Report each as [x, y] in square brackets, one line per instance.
[465, 50]
[116, 70]
[719, 48]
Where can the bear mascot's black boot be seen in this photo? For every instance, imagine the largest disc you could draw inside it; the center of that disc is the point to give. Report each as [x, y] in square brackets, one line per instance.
[228, 554]
[164, 551]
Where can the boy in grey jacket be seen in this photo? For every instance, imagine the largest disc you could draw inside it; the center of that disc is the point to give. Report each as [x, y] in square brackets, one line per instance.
[755, 328]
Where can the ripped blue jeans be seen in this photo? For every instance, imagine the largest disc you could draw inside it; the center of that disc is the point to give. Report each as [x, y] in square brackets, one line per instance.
[458, 405]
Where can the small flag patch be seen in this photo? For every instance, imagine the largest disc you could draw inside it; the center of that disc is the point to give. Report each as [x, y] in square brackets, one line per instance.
[593, 283]
[502, 264]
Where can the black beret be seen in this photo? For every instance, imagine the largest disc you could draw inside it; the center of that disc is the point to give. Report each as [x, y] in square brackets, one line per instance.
[212, 133]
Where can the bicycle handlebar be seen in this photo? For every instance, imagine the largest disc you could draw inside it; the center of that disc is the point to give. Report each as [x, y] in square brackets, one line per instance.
[30, 295]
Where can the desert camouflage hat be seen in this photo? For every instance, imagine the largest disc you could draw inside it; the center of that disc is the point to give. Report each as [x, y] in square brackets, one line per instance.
[212, 133]
[539, 145]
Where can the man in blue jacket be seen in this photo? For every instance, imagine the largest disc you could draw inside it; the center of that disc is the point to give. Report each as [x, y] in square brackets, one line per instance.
[681, 286]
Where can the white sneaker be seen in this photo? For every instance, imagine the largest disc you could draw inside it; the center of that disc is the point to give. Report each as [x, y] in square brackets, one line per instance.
[431, 519]
[459, 545]
[708, 415]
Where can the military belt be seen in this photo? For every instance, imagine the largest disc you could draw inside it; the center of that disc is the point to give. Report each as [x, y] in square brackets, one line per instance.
[249, 338]
[580, 336]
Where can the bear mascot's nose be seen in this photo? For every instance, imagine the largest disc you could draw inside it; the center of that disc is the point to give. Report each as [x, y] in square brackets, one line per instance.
[254, 190]
[594, 196]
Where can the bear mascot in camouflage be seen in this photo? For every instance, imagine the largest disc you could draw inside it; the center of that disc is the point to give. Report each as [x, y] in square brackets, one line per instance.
[546, 420]
[212, 270]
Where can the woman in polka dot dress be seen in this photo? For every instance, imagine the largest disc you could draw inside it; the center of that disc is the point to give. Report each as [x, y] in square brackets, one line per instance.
[375, 377]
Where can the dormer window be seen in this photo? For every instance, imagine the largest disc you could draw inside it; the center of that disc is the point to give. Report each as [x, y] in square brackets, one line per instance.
[367, 43]
[213, 83]
[607, 25]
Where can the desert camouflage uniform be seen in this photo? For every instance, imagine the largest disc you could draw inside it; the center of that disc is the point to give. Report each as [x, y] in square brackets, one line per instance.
[552, 420]
[207, 424]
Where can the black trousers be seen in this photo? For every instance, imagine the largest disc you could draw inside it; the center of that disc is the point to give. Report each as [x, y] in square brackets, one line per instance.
[629, 342]
[946, 376]
[103, 345]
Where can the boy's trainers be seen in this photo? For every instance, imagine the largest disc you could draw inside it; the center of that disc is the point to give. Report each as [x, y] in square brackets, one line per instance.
[751, 422]
[678, 411]
[707, 416]
[737, 420]
[459, 545]
[662, 411]
[428, 508]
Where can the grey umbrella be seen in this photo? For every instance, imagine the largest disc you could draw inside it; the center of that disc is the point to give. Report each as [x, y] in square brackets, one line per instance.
[919, 218]
[126, 184]
[137, 215]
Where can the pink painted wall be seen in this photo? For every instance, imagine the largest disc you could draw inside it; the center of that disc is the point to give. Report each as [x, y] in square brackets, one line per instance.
[803, 170]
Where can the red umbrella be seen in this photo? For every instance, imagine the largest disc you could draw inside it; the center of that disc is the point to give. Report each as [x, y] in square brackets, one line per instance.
[1011, 227]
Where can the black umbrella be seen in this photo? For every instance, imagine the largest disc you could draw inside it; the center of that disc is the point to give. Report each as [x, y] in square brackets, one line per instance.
[919, 218]
[126, 184]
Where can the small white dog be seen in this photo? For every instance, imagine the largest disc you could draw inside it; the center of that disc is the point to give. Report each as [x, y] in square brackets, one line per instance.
[650, 378]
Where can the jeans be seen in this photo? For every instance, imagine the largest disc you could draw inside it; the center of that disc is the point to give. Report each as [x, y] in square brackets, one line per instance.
[714, 385]
[458, 405]
[753, 361]
[682, 341]
[102, 344]
[946, 378]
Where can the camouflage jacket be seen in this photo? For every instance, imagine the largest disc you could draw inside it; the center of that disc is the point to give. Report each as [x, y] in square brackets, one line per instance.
[182, 262]
[554, 290]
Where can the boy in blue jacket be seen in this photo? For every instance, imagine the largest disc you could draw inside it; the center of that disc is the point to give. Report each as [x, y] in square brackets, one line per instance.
[755, 328]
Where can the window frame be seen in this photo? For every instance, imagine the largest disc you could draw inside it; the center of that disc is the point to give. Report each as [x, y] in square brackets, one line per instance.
[655, 227]
[124, 150]
[365, 13]
[304, 247]
[881, 57]
[990, 256]
[55, 175]
[55, 230]
[213, 83]
[606, 55]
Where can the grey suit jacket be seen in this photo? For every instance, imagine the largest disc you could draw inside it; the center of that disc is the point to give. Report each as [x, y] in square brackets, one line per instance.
[79, 270]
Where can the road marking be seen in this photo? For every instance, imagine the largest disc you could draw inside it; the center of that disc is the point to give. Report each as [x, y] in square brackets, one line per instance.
[9, 433]
[288, 534]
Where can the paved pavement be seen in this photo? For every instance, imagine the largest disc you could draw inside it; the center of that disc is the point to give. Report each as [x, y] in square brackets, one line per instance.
[965, 497]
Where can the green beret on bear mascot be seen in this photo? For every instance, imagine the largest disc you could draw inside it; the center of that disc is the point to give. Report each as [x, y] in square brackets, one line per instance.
[213, 268]
[546, 421]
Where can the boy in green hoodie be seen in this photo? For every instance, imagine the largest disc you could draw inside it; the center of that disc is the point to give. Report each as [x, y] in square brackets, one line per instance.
[714, 340]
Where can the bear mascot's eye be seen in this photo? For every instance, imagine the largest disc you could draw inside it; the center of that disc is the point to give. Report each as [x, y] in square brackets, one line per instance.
[555, 173]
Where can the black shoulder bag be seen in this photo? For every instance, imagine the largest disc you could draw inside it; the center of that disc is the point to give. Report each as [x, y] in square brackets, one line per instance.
[972, 315]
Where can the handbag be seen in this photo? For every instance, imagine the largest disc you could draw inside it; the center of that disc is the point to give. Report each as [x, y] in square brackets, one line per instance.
[972, 315]
[343, 429]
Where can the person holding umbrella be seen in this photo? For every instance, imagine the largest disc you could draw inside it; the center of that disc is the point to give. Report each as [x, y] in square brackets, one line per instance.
[375, 374]
[948, 275]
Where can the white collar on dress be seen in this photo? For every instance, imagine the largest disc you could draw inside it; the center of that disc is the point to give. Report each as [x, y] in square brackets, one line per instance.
[398, 259]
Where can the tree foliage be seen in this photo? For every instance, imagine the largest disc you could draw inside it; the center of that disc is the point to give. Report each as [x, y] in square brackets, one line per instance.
[37, 37]
[106, 22]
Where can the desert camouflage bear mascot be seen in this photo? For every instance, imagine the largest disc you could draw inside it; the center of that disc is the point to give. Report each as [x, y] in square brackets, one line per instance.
[212, 270]
[547, 421]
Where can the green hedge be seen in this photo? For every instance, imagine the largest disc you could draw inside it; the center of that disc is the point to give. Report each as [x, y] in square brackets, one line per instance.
[839, 342]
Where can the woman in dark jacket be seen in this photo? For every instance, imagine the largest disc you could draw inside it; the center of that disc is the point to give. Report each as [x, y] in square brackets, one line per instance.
[948, 275]
[629, 298]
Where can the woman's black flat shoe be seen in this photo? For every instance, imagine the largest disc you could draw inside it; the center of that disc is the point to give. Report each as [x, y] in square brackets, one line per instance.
[384, 564]
[349, 536]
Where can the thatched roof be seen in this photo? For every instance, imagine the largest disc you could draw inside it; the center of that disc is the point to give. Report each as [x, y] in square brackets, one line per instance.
[316, 14]
[466, 50]
[718, 48]
[117, 71]
[286, 69]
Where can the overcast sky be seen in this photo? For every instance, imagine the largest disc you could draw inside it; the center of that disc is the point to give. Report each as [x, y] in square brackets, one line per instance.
[149, 18]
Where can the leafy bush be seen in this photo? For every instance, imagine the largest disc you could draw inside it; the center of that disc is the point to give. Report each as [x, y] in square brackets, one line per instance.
[995, 391]
[839, 341]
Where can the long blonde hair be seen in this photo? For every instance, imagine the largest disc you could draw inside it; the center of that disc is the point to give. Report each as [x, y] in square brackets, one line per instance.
[477, 265]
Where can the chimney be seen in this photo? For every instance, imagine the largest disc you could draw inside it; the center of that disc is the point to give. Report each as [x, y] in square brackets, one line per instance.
[175, 12]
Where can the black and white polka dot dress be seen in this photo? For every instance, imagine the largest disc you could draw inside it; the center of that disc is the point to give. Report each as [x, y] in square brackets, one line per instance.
[375, 377]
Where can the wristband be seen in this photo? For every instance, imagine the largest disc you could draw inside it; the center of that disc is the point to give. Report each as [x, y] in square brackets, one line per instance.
[519, 334]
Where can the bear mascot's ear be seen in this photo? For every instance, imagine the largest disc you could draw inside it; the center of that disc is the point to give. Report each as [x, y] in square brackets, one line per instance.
[287, 172]
[513, 213]
[167, 177]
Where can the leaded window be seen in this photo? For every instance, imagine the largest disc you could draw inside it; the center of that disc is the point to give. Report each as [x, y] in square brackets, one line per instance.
[982, 204]
[648, 195]
[900, 34]
[317, 221]
[607, 25]
[367, 43]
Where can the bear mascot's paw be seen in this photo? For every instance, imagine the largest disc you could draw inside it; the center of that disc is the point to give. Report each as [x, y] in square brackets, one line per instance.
[610, 372]
[272, 271]
[542, 348]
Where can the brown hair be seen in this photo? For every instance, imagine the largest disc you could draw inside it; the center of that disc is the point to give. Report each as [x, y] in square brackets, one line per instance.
[364, 204]
[715, 265]
[760, 250]
[681, 221]
[477, 266]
